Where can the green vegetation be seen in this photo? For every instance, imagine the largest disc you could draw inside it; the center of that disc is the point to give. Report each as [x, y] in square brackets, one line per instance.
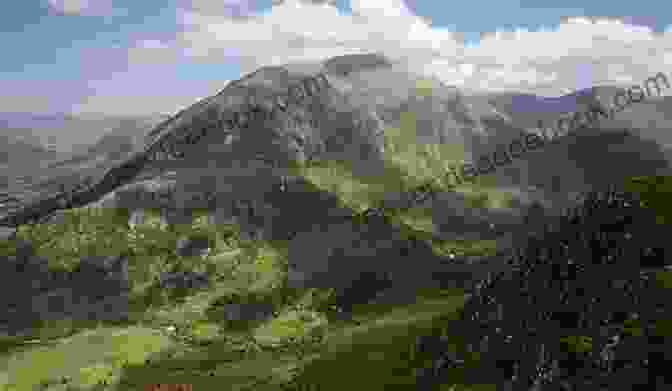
[182, 337]
[654, 192]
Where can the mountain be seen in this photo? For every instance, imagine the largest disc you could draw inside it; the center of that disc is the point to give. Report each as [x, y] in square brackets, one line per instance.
[121, 137]
[43, 155]
[649, 117]
[340, 110]
[69, 133]
[632, 143]
[19, 153]
[367, 94]
[358, 99]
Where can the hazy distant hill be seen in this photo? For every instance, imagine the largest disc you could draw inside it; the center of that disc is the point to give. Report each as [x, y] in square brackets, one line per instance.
[63, 148]
[69, 133]
[19, 152]
[651, 117]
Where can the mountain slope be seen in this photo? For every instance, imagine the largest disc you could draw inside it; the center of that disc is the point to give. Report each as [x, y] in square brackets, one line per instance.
[343, 120]
[588, 159]
[343, 109]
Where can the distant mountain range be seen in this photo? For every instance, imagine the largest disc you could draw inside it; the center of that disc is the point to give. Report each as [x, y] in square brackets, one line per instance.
[36, 147]
[650, 116]
[68, 133]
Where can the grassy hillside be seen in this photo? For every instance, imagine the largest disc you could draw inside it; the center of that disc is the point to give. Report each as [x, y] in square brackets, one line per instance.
[180, 337]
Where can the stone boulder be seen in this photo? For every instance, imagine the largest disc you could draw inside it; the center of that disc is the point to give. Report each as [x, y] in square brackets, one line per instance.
[239, 308]
[183, 280]
[136, 218]
[24, 250]
[247, 312]
[157, 193]
[57, 218]
[101, 275]
[193, 246]
[7, 233]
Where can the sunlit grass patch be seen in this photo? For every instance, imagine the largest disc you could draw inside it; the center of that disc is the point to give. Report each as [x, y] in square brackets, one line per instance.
[409, 164]
[224, 364]
[577, 344]
[417, 219]
[291, 324]
[85, 358]
[654, 192]
[664, 279]
[465, 248]
[355, 192]
[418, 223]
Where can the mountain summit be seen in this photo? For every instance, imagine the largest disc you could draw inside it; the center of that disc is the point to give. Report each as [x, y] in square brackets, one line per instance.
[337, 109]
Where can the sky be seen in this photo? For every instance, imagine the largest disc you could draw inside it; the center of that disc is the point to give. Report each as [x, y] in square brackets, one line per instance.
[129, 57]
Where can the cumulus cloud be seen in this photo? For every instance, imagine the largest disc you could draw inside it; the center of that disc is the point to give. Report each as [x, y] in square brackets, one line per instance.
[580, 52]
[298, 30]
[83, 7]
[226, 8]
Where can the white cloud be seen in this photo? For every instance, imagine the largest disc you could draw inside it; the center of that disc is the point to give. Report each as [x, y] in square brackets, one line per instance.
[577, 53]
[78, 7]
[152, 52]
[299, 30]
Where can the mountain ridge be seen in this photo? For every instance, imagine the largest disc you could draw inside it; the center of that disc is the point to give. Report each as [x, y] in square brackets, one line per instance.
[345, 121]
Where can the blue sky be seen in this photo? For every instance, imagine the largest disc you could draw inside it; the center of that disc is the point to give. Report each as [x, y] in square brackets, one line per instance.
[148, 57]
